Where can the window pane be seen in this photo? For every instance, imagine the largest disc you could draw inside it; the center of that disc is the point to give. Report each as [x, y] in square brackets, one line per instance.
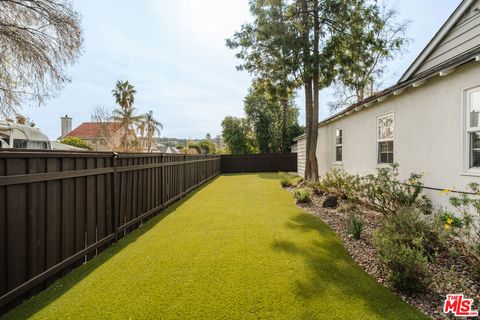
[385, 152]
[19, 144]
[390, 146]
[474, 109]
[338, 154]
[475, 150]
[385, 127]
[338, 138]
[390, 157]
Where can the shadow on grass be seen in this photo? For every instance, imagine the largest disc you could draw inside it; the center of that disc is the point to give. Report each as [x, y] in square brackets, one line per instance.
[29, 307]
[331, 271]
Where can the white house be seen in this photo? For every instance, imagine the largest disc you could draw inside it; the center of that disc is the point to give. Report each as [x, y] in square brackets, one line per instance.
[427, 123]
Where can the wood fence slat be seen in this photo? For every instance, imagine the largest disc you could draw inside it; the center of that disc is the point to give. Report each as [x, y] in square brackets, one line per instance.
[3, 233]
[91, 213]
[54, 218]
[68, 212]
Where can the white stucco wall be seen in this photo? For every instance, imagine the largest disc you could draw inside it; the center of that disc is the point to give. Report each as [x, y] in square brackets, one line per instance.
[428, 129]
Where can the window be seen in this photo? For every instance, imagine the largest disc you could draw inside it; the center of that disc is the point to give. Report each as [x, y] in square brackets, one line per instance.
[37, 145]
[385, 138]
[20, 143]
[473, 128]
[338, 145]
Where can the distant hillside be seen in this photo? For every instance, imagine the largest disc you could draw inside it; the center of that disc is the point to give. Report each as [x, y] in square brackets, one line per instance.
[173, 142]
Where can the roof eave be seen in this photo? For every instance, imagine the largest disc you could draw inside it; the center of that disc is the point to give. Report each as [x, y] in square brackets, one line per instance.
[459, 11]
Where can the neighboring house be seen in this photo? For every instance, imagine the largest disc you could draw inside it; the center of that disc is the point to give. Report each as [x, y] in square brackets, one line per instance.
[427, 123]
[19, 136]
[101, 136]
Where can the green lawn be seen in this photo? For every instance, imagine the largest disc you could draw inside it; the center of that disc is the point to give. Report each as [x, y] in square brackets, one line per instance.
[236, 249]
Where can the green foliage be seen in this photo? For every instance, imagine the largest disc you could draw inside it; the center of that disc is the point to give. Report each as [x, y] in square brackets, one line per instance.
[383, 191]
[355, 226]
[76, 142]
[386, 193]
[124, 94]
[404, 242]
[207, 147]
[288, 180]
[237, 135]
[302, 195]
[272, 116]
[463, 226]
[449, 220]
[342, 184]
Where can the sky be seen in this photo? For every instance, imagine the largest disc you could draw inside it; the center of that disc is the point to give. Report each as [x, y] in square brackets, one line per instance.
[173, 52]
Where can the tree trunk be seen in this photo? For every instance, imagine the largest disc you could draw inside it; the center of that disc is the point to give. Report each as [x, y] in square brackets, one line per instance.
[312, 151]
[307, 85]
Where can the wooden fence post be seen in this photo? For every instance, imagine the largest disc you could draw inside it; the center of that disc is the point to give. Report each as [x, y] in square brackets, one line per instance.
[115, 196]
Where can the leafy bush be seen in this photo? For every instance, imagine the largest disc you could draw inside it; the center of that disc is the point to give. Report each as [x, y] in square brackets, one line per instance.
[463, 228]
[355, 226]
[288, 180]
[76, 142]
[448, 220]
[302, 195]
[342, 184]
[385, 193]
[404, 243]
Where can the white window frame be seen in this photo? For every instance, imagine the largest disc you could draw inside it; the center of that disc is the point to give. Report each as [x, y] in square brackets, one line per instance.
[467, 131]
[338, 145]
[378, 140]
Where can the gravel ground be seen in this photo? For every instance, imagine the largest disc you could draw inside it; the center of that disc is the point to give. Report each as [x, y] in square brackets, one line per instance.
[448, 275]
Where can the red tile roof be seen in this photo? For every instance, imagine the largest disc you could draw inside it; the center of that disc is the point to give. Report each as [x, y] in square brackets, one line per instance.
[92, 130]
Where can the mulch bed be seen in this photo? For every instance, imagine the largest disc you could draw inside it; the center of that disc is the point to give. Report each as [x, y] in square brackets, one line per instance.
[449, 275]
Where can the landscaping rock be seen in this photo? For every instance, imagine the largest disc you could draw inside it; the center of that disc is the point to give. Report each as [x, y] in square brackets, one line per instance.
[330, 201]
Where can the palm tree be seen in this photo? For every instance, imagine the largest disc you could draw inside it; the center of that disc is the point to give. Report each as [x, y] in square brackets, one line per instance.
[124, 94]
[152, 126]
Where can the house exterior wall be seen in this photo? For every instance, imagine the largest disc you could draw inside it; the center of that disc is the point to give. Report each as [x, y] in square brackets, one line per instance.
[300, 149]
[428, 130]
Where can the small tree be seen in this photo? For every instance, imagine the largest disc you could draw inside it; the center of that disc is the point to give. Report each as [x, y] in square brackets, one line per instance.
[237, 135]
[152, 127]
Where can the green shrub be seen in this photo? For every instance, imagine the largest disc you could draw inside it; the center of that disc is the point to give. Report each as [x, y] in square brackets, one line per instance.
[302, 195]
[408, 269]
[404, 243]
[463, 228]
[355, 226]
[76, 142]
[386, 193]
[342, 184]
[288, 180]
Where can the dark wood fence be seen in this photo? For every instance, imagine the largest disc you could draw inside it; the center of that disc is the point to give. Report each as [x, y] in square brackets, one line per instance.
[58, 210]
[273, 162]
